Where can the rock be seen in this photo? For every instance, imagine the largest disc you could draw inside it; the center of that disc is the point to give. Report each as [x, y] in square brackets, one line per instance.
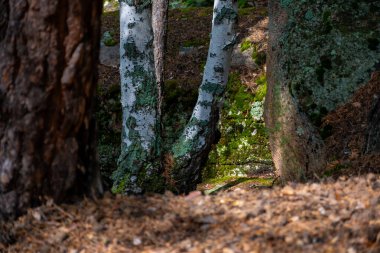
[137, 241]
[109, 56]
[187, 51]
[308, 80]
[243, 59]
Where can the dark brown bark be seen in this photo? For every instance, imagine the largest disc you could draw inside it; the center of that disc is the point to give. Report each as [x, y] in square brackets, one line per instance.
[373, 137]
[48, 70]
[4, 14]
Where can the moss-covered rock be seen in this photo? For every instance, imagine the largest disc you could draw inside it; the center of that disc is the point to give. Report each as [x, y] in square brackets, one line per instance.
[243, 146]
[320, 53]
[330, 48]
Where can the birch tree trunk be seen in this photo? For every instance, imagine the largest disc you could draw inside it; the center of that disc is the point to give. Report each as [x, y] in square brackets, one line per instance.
[48, 74]
[190, 152]
[139, 163]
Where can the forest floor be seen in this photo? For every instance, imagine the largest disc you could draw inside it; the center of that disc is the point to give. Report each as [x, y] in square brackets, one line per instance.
[330, 216]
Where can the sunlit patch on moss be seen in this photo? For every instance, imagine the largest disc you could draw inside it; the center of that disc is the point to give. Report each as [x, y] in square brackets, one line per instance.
[243, 146]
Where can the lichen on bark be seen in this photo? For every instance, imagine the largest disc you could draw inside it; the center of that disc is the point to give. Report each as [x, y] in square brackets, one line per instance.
[139, 166]
[191, 150]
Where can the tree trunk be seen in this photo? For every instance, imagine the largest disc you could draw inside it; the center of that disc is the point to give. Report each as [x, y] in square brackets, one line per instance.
[190, 152]
[160, 26]
[48, 75]
[139, 163]
[373, 136]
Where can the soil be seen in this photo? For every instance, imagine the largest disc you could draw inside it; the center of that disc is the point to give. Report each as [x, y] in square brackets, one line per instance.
[331, 216]
[347, 133]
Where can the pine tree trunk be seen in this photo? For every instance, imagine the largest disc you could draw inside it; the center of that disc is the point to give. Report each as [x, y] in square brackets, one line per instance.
[139, 163]
[48, 75]
[191, 150]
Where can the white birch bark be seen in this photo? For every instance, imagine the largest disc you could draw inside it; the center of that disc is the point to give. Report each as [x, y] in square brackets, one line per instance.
[194, 144]
[139, 99]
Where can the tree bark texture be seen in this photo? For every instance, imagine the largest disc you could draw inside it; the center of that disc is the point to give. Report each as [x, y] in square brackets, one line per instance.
[319, 54]
[190, 152]
[48, 71]
[160, 10]
[139, 163]
[373, 136]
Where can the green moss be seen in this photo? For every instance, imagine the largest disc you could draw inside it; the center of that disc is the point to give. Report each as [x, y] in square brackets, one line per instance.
[245, 45]
[261, 90]
[196, 42]
[243, 146]
[246, 11]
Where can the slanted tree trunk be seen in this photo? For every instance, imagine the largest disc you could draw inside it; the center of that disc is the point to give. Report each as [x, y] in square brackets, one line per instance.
[190, 152]
[48, 75]
[160, 26]
[140, 165]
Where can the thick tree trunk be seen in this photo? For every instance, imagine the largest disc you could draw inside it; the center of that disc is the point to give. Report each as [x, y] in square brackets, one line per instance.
[190, 152]
[160, 26]
[48, 71]
[139, 163]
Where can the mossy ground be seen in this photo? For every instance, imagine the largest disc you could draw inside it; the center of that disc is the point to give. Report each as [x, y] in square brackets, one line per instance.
[243, 147]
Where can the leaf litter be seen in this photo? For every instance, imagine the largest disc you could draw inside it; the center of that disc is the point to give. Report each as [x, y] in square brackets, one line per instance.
[327, 216]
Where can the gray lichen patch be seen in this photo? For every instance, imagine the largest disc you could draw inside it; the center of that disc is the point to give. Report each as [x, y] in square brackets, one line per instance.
[225, 13]
[330, 49]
